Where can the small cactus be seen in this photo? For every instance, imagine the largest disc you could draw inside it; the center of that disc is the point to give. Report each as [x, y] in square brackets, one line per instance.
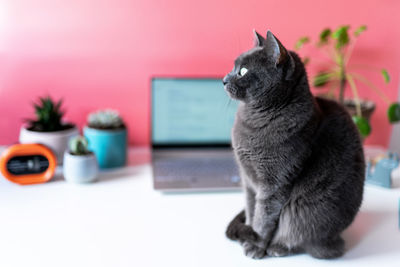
[79, 146]
[105, 119]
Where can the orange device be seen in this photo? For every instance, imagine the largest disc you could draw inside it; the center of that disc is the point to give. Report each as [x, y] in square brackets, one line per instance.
[28, 164]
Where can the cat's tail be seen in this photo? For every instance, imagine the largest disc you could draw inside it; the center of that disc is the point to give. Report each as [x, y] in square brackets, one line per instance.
[238, 230]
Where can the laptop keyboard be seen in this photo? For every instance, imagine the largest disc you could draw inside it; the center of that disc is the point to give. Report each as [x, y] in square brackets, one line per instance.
[215, 170]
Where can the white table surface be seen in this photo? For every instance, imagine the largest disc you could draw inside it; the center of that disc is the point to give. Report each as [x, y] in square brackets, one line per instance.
[122, 221]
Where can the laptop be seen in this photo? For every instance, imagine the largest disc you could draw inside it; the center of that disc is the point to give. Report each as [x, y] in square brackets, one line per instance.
[191, 135]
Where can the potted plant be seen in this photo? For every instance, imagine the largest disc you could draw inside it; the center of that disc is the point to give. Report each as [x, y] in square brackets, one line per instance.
[338, 45]
[48, 128]
[107, 136]
[80, 164]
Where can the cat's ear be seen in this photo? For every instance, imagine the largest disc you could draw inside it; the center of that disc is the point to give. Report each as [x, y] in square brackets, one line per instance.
[258, 39]
[275, 49]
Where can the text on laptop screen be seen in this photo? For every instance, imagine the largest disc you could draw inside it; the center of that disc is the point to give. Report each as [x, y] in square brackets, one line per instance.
[191, 111]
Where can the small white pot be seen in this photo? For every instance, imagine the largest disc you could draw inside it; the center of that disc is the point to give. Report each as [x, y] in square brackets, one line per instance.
[57, 141]
[80, 168]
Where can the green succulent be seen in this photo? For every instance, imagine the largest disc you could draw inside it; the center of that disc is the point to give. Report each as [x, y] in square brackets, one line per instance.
[48, 116]
[105, 119]
[79, 146]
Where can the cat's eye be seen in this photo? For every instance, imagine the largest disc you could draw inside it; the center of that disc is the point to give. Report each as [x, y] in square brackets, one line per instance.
[243, 71]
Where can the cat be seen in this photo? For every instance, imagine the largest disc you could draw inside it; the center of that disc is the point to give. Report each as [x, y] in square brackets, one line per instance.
[300, 158]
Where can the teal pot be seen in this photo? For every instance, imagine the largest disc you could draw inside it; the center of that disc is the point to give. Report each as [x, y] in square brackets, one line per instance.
[109, 146]
[80, 169]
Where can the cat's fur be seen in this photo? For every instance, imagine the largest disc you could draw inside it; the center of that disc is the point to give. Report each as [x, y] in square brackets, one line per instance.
[300, 158]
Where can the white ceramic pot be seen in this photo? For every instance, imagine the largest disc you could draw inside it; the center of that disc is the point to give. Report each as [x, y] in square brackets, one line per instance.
[57, 141]
[80, 168]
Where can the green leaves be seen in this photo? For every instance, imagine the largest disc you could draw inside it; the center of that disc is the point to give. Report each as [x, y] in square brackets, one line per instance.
[342, 37]
[385, 75]
[363, 125]
[301, 42]
[393, 112]
[321, 79]
[324, 36]
[359, 30]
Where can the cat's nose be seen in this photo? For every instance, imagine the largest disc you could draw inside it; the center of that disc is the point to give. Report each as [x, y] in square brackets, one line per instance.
[225, 80]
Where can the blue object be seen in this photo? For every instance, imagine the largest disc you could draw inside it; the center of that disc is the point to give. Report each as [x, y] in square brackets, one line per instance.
[381, 176]
[109, 146]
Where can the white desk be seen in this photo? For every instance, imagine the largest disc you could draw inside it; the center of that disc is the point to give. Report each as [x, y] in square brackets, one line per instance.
[122, 221]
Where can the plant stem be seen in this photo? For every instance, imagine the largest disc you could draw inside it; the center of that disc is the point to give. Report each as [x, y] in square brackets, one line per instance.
[355, 94]
[342, 85]
[342, 75]
[364, 67]
[333, 88]
[350, 51]
[372, 86]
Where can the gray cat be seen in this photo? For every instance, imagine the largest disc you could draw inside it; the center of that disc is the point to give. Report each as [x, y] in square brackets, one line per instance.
[300, 158]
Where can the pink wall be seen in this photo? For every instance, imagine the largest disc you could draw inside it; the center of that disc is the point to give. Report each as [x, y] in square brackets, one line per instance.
[97, 54]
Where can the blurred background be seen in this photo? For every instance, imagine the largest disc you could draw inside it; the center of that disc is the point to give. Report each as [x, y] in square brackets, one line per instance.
[99, 54]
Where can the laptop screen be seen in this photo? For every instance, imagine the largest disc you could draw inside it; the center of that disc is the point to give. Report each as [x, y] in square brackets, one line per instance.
[191, 112]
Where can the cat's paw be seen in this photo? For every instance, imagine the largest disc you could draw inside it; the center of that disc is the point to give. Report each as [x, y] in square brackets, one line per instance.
[246, 233]
[277, 250]
[253, 251]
